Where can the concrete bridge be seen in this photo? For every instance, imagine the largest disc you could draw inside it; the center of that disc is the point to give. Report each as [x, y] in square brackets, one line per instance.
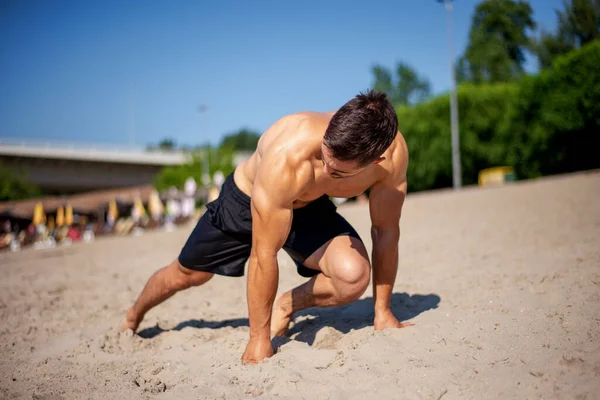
[67, 167]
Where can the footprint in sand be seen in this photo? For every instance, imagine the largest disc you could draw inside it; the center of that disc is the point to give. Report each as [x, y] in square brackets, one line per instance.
[327, 338]
[154, 378]
[119, 342]
[151, 385]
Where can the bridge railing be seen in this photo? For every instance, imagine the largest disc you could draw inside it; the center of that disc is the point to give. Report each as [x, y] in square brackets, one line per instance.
[77, 145]
[88, 150]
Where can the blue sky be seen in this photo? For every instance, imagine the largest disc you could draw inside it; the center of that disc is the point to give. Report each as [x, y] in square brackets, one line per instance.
[137, 71]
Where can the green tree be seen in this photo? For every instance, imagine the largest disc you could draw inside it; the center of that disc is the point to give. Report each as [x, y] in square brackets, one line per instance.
[540, 125]
[166, 144]
[581, 20]
[558, 131]
[14, 185]
[549, 46]
[218, 159]
[242, 140]
[407, 87]
[578, 24]
[482, 145]
[498, 39]
[221, 159]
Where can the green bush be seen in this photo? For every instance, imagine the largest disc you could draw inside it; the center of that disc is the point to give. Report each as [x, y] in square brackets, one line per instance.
[220, 159]
[541, 125]
[14, 185]
[554, 125]
[426, 128]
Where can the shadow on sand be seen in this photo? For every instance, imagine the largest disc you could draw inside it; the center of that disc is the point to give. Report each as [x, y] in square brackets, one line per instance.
[358, 314]
[344, 319]
[149, 333]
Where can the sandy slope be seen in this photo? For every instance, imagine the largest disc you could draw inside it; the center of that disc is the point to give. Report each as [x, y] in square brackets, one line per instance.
[503, 285]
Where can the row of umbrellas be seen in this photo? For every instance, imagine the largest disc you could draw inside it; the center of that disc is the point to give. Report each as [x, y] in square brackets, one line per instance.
[64, 214]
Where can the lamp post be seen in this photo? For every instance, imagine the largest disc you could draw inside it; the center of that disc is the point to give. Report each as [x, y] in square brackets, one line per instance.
[456, 167]
[132, 118]
[202, 108]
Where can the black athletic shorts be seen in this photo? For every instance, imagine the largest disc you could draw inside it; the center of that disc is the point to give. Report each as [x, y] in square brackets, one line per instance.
[222, 239]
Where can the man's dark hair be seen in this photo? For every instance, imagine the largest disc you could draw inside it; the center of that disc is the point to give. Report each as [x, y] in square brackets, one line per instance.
[362, 129]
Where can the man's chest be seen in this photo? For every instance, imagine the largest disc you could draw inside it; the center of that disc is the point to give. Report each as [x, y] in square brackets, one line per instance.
[347, 187]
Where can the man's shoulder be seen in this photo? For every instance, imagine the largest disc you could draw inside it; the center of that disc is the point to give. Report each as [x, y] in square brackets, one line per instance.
[296, 136]
[306, 120]
[290, 143]
[285, 169]
[401, 152]
[393, 169]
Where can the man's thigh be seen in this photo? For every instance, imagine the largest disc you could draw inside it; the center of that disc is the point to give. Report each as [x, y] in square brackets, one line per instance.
[319, 237]
[342, 255]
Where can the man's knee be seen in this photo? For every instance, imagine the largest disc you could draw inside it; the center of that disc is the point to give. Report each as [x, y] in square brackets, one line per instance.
[185, 278]
[353, 278]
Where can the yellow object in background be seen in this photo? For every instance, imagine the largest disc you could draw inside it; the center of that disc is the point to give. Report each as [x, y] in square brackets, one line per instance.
[39, 217]
[69, 215]
[155, 205]
[496, 176]
[138, 210]
[60, 217]
[113, 212]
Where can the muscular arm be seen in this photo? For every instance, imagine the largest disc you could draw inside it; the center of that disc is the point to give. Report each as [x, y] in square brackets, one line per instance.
[277, 184]
[271, 221]
[385, 202]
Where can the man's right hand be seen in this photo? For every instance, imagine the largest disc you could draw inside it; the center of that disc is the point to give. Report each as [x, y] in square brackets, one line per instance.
[257, 350]
[279, 180]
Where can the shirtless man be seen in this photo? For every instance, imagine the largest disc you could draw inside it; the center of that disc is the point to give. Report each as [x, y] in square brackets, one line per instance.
[279, 199]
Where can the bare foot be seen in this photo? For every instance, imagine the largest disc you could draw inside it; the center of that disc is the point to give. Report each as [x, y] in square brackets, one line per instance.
[280, 318]
[386, 320]
[257, 350]
[132, 321]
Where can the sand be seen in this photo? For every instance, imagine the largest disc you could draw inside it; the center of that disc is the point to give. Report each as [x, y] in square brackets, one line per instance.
[503, 285]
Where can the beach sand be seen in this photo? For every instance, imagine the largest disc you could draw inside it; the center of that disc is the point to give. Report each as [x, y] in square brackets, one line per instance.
[502, 284]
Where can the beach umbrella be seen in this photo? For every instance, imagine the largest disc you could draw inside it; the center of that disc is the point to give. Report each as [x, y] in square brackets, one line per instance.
[39, 217]
[155, 206]
[138, 211]
[113, 212]
[69, 215]
[60, 217]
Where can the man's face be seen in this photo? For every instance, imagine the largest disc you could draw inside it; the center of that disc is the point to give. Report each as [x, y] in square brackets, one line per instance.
[335, 168]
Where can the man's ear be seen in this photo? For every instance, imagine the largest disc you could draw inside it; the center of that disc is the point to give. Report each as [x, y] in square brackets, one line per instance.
[380, 159]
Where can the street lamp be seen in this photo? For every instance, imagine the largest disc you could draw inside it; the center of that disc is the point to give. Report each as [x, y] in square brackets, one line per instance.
[456, 168]
[132, 117]
[202, 108]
